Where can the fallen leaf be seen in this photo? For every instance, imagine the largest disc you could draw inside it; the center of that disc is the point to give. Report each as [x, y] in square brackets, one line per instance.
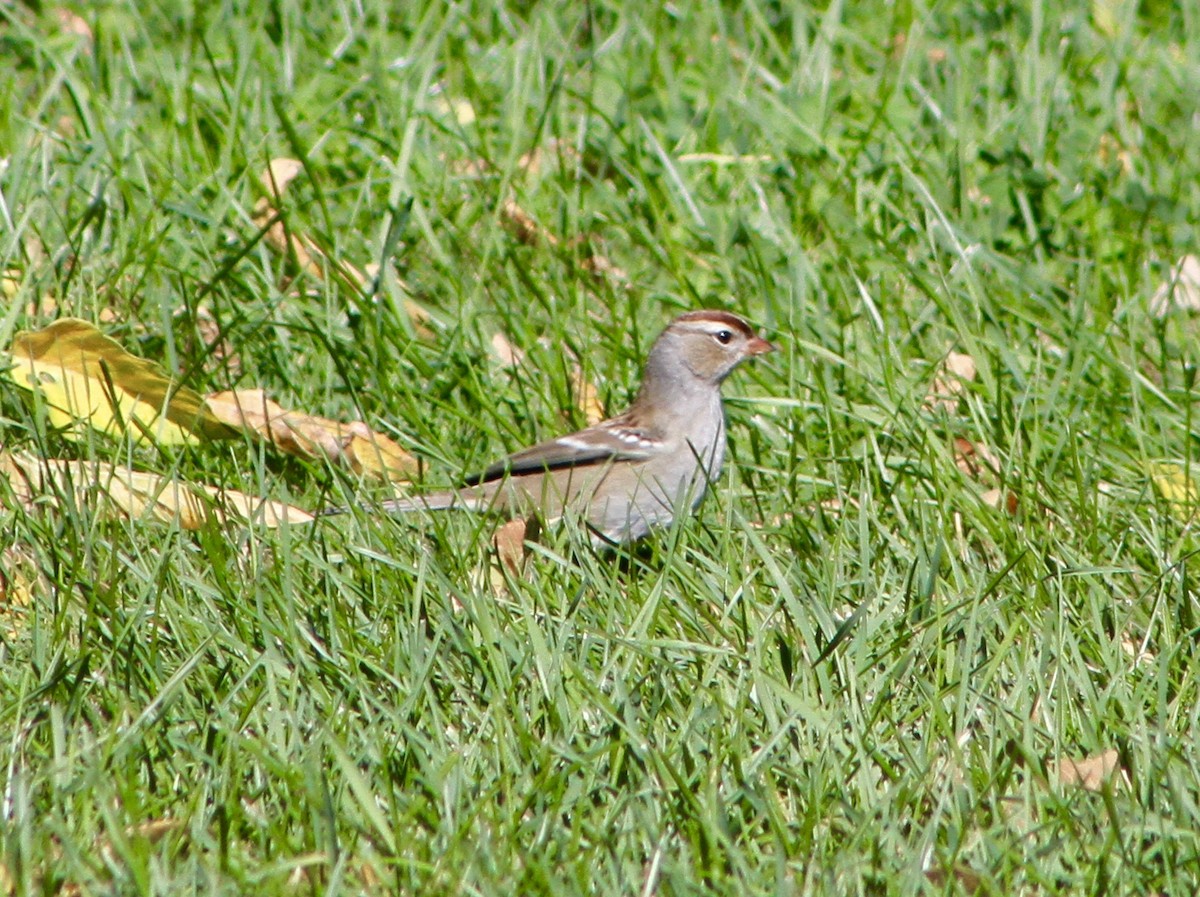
[955, 372]
[306, 254]
[87, 377]
[1181, 290]
[522, 226]
[586, 397]
[457, 108]
[974, 458]
[375, 454]
[278, 174]
[74, 25]
[47, 307]
[1092, 773]
[508, 354]
[509, 540]
[20, 579]
[352, 444]
[555, 150]
[153, 830]
[1174, 483]
[123, 492]
[600, 267]
[10, 282]
[997, 498]
[221, 355]
[967, 880]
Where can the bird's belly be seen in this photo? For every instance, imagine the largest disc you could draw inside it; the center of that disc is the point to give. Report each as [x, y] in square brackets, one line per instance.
[653, 503]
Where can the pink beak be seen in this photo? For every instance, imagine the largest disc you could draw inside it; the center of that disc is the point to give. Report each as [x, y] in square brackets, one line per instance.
[759, 346]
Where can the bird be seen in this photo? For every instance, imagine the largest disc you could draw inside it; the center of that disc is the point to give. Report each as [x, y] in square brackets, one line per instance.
[635, 472]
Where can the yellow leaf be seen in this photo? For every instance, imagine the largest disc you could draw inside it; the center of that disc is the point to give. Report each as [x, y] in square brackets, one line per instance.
[118, 491]
[1174, 483]
[373, 453]
[88, 378]
[20, 582]
[586, 397]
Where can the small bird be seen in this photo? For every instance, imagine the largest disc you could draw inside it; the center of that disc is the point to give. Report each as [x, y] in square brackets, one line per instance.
[631, 473]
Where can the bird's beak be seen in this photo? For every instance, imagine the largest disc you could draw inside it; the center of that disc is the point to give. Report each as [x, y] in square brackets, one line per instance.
[759, 346]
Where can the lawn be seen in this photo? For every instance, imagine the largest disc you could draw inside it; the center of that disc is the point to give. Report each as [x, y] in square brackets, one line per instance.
[933, 631]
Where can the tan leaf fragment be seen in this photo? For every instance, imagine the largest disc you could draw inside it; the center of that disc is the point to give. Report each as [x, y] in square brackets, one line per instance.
[511, 541]
[586, 397]
[307, 255]
[967, 881]
[74, 25]
[352, 444]
[522, 225]
[87, 378]
[555, 150]
[278, 174]
[601, 268]
[221, 353]
[955, 372]
[508, 354]
[998, 498]
[20, 580]
[974, 458]
[531, 162]
[1091, 773]
[1181, 290]
[123, 492]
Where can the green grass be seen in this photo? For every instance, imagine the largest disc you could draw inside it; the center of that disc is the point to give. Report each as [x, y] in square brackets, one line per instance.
[848, 675]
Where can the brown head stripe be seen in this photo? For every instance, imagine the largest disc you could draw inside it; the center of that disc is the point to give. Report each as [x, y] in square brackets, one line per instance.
[733, 322]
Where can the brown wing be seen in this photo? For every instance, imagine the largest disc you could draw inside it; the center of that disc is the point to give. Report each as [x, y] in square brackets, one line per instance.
[587, 447]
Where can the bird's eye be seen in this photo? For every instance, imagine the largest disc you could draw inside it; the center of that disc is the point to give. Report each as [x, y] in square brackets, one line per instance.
[723, 337]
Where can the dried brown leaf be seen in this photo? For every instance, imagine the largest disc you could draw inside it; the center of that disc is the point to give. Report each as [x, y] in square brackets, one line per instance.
[508, 354]
[352, 444]
[957, 370]
[221, 354]
[974, 458]
[967, 881]
[1091, 773]
[998, 498]
[278, 174]
[509, 540]
[522, 225]
[600, 267]
[74, 25]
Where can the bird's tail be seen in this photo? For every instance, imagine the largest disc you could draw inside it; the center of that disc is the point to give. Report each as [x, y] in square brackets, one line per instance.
[433, 501]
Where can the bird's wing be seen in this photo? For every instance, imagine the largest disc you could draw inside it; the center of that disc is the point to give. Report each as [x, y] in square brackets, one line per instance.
[596, 445]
